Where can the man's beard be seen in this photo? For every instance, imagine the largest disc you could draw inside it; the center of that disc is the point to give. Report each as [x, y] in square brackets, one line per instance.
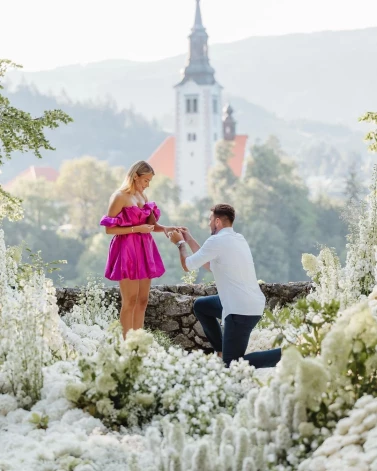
[214, 232]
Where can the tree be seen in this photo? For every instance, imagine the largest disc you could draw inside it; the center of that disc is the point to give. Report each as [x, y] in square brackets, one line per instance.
[85, 186]
[53, 246]
[93, 259]
[41, 209]
[372, 135]
[19, 131]
[164, 192]
[276, 215]
[354, 188]
[221, 178]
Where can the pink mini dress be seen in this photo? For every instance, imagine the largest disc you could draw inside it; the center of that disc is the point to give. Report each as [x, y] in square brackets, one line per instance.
[133, 256]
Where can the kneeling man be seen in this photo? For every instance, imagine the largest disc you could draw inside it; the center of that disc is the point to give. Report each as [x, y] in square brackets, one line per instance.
[240, 302]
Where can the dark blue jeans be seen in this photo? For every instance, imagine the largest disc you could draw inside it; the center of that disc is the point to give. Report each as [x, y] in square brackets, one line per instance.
[237, 331]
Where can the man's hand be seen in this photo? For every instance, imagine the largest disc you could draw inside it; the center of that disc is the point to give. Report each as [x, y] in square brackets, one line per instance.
[186, 234]
[169, 229]
[176, 236]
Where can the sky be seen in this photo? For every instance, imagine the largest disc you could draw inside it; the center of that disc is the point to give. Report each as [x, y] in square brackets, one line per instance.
[43, 34]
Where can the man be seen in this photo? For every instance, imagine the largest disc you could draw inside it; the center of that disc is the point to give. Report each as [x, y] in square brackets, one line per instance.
[240, 302]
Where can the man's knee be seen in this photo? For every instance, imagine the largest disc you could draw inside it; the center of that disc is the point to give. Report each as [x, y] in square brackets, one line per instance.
[199, 305]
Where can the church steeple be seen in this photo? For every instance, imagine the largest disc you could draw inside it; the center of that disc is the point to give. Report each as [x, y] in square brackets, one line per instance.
[229, 124]
[198, 68]
[198, 16]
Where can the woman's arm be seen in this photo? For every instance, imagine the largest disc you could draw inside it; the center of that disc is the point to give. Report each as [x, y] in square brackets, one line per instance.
[152, 220]
[117, 230]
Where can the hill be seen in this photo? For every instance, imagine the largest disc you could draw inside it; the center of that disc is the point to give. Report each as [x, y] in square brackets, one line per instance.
[99, 129]
[325, 76]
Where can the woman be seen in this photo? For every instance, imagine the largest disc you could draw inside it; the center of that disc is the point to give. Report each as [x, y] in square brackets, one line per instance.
[133, 255]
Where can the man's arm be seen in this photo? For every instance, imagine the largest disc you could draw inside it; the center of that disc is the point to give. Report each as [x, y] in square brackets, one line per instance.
[200, 258]
[183, 255]
[193, 244]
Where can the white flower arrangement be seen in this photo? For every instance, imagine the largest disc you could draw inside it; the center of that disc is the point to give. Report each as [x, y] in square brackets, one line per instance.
[137, 381]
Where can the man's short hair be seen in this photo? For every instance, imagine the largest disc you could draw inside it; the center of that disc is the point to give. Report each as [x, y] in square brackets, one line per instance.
[224, 211]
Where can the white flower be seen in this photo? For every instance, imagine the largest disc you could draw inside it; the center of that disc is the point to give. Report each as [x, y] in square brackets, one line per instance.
[74, 391]
[8, 403]
[144, 399]
[105, 407]
[105, 383]
[309, 264]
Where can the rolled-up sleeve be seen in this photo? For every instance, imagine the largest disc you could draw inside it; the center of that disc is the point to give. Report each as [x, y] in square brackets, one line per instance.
[205, 254]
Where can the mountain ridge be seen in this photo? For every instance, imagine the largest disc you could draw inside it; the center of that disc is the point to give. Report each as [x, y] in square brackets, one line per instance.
[325, 76]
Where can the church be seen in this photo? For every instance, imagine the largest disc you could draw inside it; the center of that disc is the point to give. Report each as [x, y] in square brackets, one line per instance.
[201, 122]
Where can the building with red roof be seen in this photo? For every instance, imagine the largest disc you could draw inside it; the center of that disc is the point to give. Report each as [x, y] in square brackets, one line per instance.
[33, 173]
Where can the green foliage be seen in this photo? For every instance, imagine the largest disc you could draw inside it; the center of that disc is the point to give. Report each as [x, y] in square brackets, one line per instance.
[37, 264]
[274, 213]
[84, 186]
[221, 179]
[108, 378]
[10, 206]
[189, 278]
[41, 208]
[50, 244]
[371, 137]
[100, 128]
[40, 421]
[19, 131]
[304, 324]
[277, 217]
[161, 338]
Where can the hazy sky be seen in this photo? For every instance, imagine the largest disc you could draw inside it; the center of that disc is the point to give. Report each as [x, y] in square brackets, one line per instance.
[47, 33]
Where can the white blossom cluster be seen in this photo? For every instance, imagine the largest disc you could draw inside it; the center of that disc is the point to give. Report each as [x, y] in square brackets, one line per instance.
[56, 436]
[353, 446]
[264, 432]
[325, 271]
[354, 281]
[30, 336]
[261, 339]
[274, 427]
[192, 388]
[93, 308]
[169, 385]
[84, 327]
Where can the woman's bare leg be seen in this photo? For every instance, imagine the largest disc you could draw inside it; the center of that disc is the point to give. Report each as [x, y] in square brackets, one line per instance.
[141, 304]
[129, 290]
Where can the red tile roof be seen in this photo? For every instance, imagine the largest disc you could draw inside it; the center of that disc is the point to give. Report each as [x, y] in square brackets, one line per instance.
[238, 159]
[163, 159]
[32, 173]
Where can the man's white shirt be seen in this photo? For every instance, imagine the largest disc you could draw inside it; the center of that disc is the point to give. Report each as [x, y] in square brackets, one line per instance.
[232, 265]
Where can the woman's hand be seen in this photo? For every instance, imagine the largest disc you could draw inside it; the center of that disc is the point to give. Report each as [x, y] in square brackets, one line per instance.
[144, 228]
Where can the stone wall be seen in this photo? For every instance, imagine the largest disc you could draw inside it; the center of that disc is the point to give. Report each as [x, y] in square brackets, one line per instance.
[170, 308]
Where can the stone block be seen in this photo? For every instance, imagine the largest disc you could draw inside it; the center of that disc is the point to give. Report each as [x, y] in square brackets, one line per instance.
[184, 341]
[169, 326]
[188, 320]
[199, 329]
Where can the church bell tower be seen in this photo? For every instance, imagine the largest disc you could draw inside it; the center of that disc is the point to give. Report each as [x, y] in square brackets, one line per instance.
[198, 116]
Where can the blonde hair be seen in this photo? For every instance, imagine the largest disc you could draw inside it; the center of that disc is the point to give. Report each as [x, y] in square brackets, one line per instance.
[139, 168]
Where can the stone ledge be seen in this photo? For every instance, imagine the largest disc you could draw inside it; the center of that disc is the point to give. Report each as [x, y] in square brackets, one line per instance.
[170, 307]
